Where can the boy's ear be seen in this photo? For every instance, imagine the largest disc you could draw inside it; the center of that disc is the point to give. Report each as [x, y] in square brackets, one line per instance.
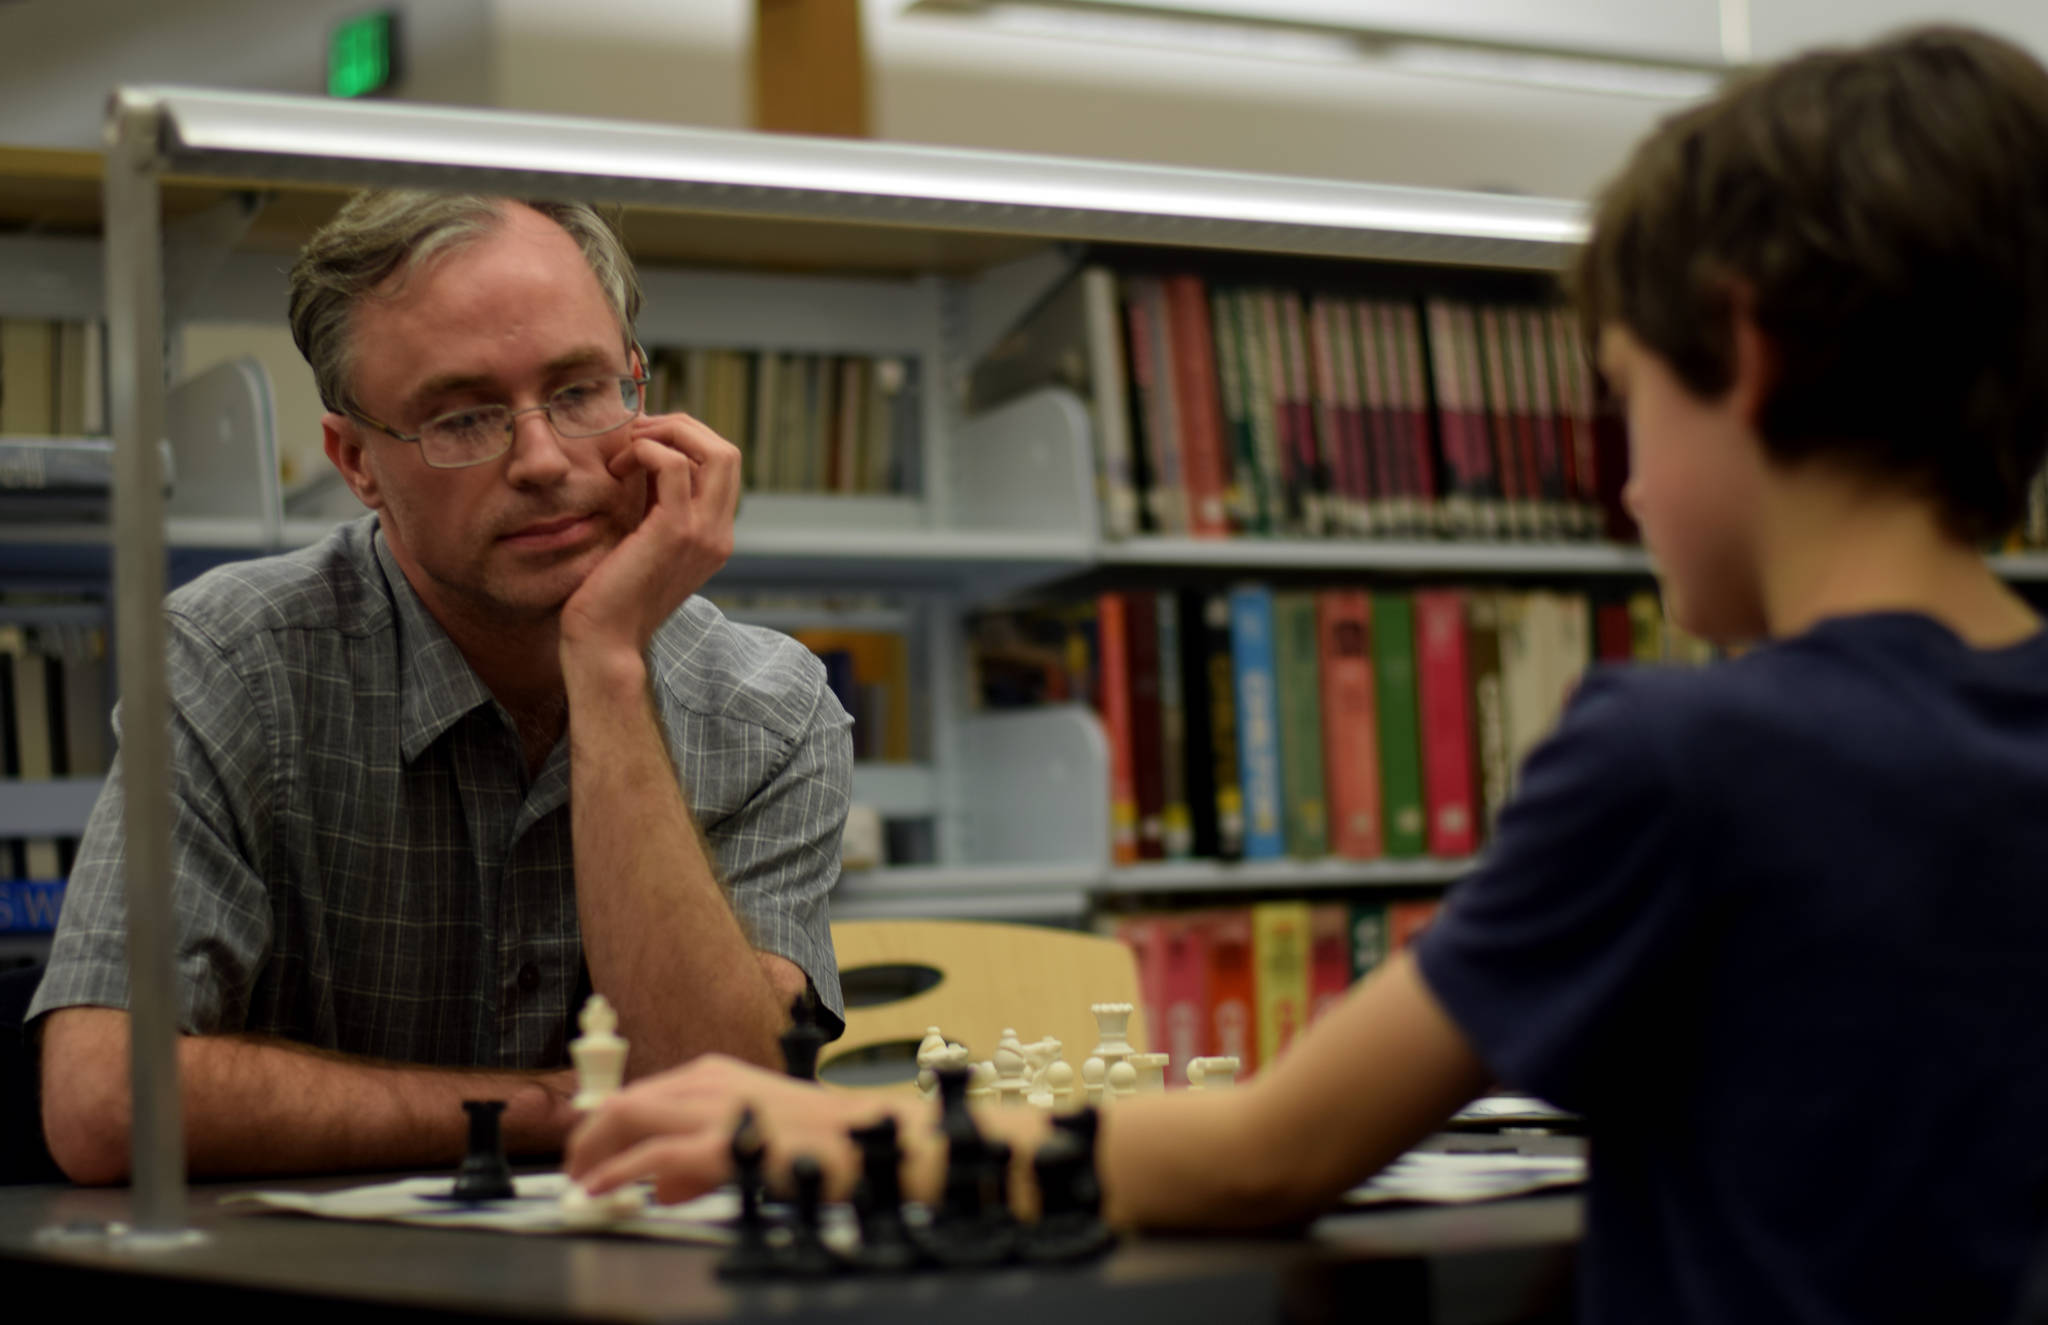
[1755, 359]
[344, 446]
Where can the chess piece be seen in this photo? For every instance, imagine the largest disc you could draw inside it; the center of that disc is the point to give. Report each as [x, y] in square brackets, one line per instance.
[1121, 1080]
[930, 1053]
[1112, 1022]
[599, 1054]
[1212, 1073]
[878, 1201]
[1059, 1086]
[585, 1213]
[1092, 1073]
[1069, 1226]
[1010, 1083]
[971, 1226]
[807, 1256]
[802, 1041]
[484, 1174]
[1151, 1070]
[981, 1081]
[751, 1257]
[1039, 1056]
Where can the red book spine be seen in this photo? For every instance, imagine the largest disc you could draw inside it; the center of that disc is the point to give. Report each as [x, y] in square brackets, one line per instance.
[1204, 465]
[1381, 428]
[1184, 1034]
[1233, 989]
[1329, 957]
[1613, 632]
[1301, 409]
[1141, 644]
[1407, 919]
[1326, 405]
[1145, 936]
[1114, 702]
[1460, 479]
[1446, 722]
[1415, 403]
[1351, 741]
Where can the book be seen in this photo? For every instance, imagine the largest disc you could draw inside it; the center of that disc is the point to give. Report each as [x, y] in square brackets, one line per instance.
[1245, 496]
[1141, 644]
[1262, 406]
[1351, 753]
[1329, 957]
[1145, 936]
[1184, 1033]
[881, 673]
[1403, 820]
[1369, 945]
[1493, 765]
[28, 376]
[1110, 412]
[1215, 800]
[1176, 820]
[1204, 465]
[1442, 697]
[1113, 681]
[1233, 989]
[1258, 721]
[34, 742]
[1406, 919]
[1280, 954]
[30, 906]
[1455, 417]
[1165, 498]
[1296, 646]
[1411, 383]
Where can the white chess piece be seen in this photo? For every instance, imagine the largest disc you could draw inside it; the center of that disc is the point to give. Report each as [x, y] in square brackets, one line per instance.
[1122, 1079]
[931, 1052]
[1212, 1073]
[1092, 1074]
[1059, 1085]
[1039, 1056]
[981, 1081]
[1011, 1083]
[1112, 1022]
[1151, 1070]
[580, 1210]
[599, 1054]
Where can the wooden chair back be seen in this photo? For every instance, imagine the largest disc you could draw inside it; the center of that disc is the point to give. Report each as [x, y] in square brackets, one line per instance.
[989, 977]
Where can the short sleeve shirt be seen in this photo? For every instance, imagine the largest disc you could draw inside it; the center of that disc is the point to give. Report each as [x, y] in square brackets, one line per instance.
[360, 860]
[1779, 929]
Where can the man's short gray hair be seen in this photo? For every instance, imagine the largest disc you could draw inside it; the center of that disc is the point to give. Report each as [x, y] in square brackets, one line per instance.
[382, 234]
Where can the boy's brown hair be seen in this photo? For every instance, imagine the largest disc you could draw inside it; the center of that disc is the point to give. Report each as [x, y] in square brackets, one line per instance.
[1883, 212]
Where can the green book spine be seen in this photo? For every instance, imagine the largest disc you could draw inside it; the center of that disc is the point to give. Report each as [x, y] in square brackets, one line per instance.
[1297, 644]
[1368, 938]
[1393, 657]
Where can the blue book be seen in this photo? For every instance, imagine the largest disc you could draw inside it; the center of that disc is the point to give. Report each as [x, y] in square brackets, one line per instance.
[30, 906]
[1258, 721]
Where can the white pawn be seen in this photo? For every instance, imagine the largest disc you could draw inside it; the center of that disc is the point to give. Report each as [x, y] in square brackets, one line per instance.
[1212, 1073]
[1123, 1080]
[981, 1081]
[1039, 1056]
[599, 1054]
[1010, 1083]
[580, 1210]
[1151, 1072]
[1092, 1073]
[1058, 1094]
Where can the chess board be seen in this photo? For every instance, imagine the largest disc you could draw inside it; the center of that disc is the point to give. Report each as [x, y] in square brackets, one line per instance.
[535, 1209]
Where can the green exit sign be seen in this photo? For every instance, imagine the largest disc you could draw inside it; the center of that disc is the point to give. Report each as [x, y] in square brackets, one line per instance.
[362, 54]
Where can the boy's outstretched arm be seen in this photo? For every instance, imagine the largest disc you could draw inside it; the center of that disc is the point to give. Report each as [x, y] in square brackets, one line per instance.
[1373, 1077]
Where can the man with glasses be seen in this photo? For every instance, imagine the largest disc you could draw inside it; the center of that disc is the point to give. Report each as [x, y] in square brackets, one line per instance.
[473, 755]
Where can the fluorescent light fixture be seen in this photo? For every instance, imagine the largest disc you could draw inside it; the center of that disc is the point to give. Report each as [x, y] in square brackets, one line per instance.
[1257, 36]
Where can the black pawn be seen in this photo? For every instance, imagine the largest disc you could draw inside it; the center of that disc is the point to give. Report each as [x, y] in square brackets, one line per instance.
[807, 1255]
[878, 1200]
[751, 1257]
[1069, 1226]
[972, 1226]
[484, 1174]
[802, 1041]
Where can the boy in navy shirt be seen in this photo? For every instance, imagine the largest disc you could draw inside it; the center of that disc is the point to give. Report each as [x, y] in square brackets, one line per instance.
[1777, 927]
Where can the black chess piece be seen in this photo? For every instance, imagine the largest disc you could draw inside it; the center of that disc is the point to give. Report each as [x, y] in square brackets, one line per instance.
[484, 1175]
[807, 1256]
[1069, 1226]
[802, 1041]
[752, 1257]
[885, 1245]
[972, 1226]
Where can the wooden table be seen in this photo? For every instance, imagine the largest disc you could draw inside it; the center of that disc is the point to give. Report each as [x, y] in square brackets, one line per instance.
[1508, 1261]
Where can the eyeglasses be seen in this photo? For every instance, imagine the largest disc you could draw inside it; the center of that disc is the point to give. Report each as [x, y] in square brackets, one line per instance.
[477, 434]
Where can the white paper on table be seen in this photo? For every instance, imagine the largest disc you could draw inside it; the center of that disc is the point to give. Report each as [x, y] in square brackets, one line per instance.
[536, 1209]
[1453, 1177]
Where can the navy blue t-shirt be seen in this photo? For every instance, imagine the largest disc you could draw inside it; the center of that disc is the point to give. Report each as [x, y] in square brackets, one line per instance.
[1779, 929]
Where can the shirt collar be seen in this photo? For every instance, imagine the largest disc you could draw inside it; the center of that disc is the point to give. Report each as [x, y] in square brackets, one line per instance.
[435, 682]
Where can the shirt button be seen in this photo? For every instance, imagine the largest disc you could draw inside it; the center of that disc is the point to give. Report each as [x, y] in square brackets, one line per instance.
[529, 978]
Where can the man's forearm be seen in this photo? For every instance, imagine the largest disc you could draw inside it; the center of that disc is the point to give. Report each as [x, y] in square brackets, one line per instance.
[659, 935]
[256, 1105]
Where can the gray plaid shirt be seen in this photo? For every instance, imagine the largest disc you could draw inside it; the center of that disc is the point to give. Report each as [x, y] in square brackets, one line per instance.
[358, 859]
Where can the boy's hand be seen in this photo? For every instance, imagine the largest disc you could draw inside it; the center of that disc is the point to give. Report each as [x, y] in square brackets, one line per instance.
[676, 1128]
[693, 491]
